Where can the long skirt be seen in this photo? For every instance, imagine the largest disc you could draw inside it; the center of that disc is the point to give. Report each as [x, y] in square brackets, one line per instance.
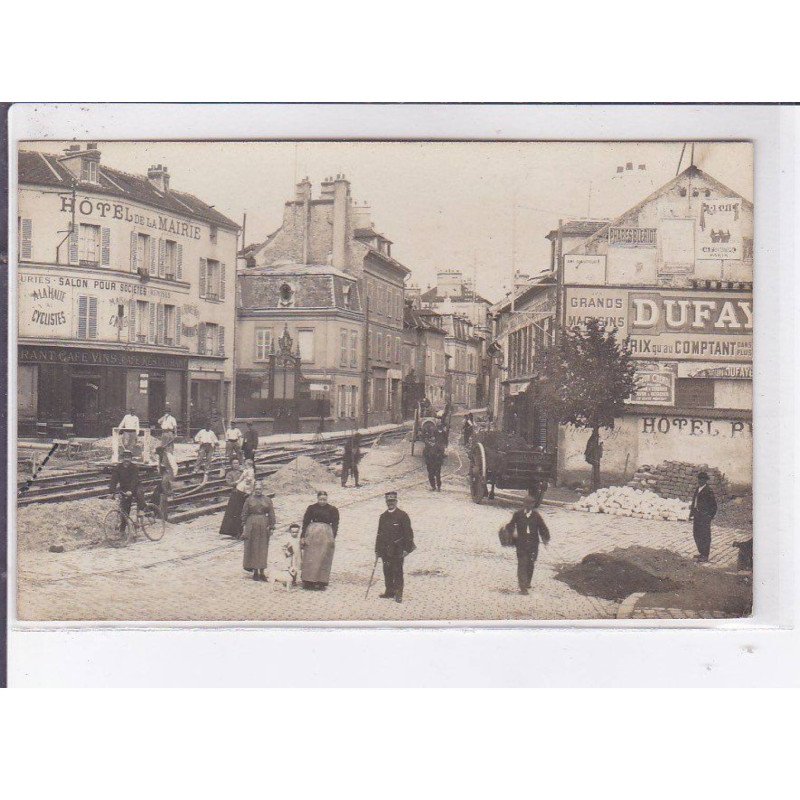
[256, 544]
[232, 521]
[318, 553]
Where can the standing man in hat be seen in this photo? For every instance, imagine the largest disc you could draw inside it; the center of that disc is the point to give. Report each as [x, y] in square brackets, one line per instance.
[434, 458]
[250, 441]
[125, 480]
[395, 540]
[169, 429]
[702, 510]
[527, 527]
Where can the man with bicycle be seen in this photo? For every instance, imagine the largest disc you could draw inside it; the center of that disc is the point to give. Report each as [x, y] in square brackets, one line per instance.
[125, 478]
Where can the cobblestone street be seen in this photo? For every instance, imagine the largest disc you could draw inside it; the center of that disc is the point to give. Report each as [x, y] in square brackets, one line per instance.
[458, 572]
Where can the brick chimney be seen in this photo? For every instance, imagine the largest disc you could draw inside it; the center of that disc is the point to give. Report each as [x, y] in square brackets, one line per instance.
[303, 190]
[341, 207]
[158, 177]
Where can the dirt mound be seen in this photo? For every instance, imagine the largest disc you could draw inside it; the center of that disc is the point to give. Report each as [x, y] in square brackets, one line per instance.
[303, 475]
[75, 524]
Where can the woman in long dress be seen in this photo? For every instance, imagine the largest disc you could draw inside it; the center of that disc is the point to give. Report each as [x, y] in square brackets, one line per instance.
[259, 520]
[320, 526]
[232, 521]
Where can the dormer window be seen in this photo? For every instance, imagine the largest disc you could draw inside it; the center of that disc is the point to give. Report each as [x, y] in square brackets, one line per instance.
[89, 170]
[286, 295]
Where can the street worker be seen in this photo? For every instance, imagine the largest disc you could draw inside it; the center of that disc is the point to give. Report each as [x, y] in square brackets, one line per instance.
[702, 510]
[320, 526]
[434, 455]
[526, 528]
[351, 457]
[258, 515]
[207, 441]
[163, 489]
[129, 429]
[250, 441]
[395, 540]
[169, 428]
[126, 483]
[233, 442]
[232, 520]
[468, 429]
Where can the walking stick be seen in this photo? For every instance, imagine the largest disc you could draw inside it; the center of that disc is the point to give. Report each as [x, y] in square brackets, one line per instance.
[372, 577]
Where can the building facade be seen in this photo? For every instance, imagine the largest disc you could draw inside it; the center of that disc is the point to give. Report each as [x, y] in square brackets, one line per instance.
[463, 352]
[320, 311]
[333, 230]
[424, 365]
[126, 297]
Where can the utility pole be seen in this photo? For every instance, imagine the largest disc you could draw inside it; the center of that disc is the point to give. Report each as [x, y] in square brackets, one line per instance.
[365, 391]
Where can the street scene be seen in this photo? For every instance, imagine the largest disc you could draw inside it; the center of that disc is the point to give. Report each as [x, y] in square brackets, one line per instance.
[533, 402]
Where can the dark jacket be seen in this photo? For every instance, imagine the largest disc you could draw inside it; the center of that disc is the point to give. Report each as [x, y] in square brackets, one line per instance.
[126, 477]
[352, 454]
[704, 504]
[251, 438]
[433, 453]
[395, 536]
[317, 513]
[529, 530]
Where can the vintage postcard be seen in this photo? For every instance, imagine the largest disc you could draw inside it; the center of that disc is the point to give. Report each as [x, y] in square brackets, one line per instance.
[374, 381]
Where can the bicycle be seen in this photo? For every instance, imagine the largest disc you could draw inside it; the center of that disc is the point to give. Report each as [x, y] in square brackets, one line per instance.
[121, 528]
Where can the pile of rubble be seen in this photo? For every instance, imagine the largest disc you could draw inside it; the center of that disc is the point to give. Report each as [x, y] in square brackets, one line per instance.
[625, 501]
[679, 479]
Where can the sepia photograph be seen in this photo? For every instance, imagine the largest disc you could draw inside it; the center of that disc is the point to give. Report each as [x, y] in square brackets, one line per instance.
[395, 382]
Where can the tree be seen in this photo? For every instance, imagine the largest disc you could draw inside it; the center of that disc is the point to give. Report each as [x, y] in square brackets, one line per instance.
[584, 380]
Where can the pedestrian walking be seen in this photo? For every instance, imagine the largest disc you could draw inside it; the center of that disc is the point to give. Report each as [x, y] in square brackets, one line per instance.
[169, 428]
[232, 520]
[233, 442]
[526, 528]
[320, 526]
[351, 457]
[395, 540]
[434, 455]
[702, 510]
[250, 444]
[468, 429]
[129, 429]
[207, 441]
[258, 515]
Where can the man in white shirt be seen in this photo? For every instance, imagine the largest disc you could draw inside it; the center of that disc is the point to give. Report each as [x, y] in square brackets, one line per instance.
[233, 442]
[207, 440]
[169, 429]
[129, 428]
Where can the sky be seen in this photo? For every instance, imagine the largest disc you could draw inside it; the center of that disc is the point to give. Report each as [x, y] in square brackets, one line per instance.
[482, 207]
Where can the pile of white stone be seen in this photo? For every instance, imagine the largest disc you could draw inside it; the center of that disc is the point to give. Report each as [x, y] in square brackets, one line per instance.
[625, 501]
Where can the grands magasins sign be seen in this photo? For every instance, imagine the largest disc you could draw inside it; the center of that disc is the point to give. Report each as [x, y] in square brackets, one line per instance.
[681, 325]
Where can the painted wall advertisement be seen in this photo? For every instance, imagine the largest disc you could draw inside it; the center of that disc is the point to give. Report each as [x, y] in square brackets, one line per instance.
[671, 324]
[719, 233]
[655, 383]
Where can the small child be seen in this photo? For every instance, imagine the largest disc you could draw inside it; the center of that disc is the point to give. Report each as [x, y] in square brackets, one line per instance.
[292, 550]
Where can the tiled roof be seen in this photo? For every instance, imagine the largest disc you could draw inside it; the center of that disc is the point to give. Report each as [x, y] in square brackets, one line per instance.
[466, 296]
[415, 319]
[44, 169]
[297, 269]
[579, 227]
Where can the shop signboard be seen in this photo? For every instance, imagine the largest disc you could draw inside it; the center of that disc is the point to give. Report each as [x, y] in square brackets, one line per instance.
[582, 268]
[655, 383]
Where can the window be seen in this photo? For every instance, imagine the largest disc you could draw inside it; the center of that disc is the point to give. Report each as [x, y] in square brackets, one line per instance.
[213, 279]
[169, 325]
[346, 296]
[305, 340]
[397, 348]
[343, 348]
[263, 344]
[89, 244]
[388, 352]
[471, 362]
[211, 343]
[286, 295]
[342, 401]
[694, 393]
[87, 317]
[170, 259]
[143, 251]
[353, 409]
[142, 321]
[353, 348]
[89, 170]
[379, 348]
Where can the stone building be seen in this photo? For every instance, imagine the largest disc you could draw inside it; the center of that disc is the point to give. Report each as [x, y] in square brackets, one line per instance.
[335, 231]
[424, 363]
[126, 297]
[463, 352]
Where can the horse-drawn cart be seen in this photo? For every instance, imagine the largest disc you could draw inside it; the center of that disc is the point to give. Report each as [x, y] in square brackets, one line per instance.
[427, 422]
[506, 461]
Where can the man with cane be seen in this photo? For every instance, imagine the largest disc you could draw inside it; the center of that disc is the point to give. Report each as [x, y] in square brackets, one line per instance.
[395, 540]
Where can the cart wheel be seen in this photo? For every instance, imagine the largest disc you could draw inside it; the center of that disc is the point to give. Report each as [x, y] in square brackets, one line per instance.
[477, 474]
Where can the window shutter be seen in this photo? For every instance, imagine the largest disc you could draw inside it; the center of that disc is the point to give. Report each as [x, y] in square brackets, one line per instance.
[153, 269]
[162, 251]
[201, 338]
[26, 245]
[221, 281]
[151, 338]
[177, 326]
[160, 322]
[203, 268]
[132, 321]
[82, 316]
[221, 340]
[105, 247]
[73, 245]
[134, 264]
[92, 317]
[179, 261]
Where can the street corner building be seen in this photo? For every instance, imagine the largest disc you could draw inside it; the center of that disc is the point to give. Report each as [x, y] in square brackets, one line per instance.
[673, 275]
[126, 297]
[328, 279]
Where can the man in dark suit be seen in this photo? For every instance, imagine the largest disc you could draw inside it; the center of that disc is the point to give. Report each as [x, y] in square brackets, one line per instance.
[434, 458]
[527, 527]
[395, 540]
[702, 510]
[125, 479]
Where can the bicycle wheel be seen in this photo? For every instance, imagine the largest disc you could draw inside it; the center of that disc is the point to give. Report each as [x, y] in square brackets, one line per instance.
[153, 523]
[115, 527]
